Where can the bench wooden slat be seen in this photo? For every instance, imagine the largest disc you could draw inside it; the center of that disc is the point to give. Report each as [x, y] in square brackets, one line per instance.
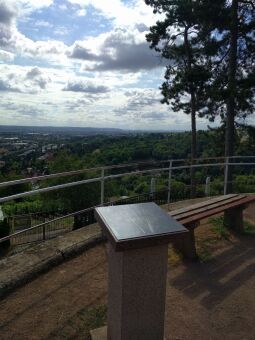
[209, 207]
[202, 204]
[215, 211]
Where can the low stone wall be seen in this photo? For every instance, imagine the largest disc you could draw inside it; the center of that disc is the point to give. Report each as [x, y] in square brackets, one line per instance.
[18, 269]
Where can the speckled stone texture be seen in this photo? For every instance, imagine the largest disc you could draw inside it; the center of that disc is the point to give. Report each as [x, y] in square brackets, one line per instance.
[137, 289]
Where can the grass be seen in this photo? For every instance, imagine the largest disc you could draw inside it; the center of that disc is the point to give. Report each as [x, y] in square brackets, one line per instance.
[219, 228]
[204, 254]
[208, 240]
[174, 257]
[80, 324]
[95, 317]
[249, 228]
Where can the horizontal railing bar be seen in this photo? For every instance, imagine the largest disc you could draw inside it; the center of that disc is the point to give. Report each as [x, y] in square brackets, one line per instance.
[240, 157]
[116, 176]
[75, 172]
[240, 163]
[40, 225]
[98, 179]
[48, 189]
[45, 177]
[119, 166]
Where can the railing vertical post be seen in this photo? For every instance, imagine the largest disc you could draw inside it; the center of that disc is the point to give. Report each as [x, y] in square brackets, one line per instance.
[102, 187]
[13, 225]
[153, 189]
[169, 183]
[207, 186]
[44, 233]
[226, 175]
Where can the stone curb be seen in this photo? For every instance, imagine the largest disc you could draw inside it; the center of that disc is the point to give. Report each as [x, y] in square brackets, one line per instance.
[18, 269]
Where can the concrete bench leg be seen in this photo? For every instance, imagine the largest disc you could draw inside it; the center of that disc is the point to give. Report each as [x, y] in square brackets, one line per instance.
[186, 244]
[233, 219]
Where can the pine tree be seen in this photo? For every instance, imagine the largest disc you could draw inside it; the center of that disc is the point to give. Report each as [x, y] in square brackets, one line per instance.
[210, 47]
[178, 38]
[232, 49]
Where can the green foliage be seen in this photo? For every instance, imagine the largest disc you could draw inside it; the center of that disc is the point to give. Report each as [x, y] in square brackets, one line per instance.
[88, 152]
[244, 183]
[204, 255]
[29, 207]
[14, 189]
[142, 188]
[81, 323]
[249, 228]
[219, 227]
[178, 38]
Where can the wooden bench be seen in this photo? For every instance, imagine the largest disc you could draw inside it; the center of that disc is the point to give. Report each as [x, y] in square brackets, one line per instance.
[231, 205]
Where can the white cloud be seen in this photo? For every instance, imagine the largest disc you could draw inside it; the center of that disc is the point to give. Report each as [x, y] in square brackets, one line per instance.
[6, 56]
[81, 85]
[28, 6]
[140, 101]
[24, 80]
[94, 71]
[81, 13]
[119, 50]
[12, 41]
[63, 7]
[122, 49]
[122, 14]
[43, 23]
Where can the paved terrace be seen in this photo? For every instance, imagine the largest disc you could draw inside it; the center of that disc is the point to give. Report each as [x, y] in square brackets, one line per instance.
[210, 299]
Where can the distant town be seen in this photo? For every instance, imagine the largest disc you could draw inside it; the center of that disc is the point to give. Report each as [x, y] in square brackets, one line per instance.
[27, 146]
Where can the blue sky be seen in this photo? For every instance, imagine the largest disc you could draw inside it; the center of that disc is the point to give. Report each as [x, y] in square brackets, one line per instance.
[81, 63]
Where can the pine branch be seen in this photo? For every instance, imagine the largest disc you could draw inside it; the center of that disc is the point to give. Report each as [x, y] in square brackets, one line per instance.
[249, 2]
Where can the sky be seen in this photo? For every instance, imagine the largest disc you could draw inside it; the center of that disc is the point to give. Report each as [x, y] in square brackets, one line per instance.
[82, 63]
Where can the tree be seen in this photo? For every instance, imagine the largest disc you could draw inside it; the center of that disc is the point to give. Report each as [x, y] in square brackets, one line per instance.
[178, 38]
[232, 50]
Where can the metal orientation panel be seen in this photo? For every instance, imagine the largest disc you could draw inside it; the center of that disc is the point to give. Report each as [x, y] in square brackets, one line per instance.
[137, 225]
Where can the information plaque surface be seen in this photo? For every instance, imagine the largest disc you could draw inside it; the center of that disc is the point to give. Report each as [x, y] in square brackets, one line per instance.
[138, 225]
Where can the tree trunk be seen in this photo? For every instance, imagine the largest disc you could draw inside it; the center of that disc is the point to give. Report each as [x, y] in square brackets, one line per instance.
[231, 106]
[193, 115]
[193, 145]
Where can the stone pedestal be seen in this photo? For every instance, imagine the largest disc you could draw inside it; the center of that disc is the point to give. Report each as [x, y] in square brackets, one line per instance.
[136, 293]
[137, 254]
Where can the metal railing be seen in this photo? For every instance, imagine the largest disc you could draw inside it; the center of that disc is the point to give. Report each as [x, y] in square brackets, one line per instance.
[76, 220]
[54, 227]
[104, 178]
